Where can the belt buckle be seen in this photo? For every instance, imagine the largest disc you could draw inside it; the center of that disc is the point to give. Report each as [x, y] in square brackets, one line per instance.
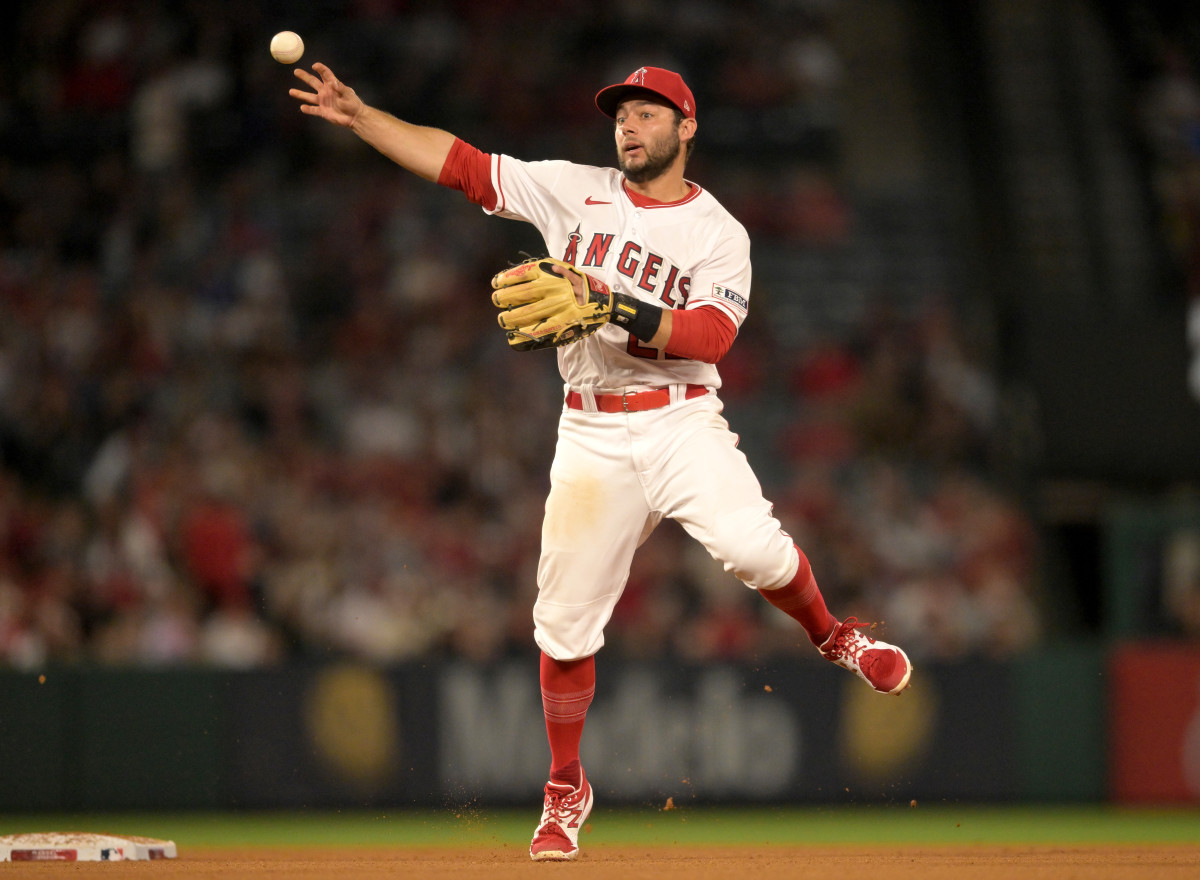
[625, 400]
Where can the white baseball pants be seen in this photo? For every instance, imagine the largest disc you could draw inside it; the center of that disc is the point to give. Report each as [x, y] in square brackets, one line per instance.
[613, 479]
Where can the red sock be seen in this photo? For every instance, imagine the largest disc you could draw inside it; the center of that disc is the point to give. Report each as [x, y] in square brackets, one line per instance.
[801, 599]
[567, 690]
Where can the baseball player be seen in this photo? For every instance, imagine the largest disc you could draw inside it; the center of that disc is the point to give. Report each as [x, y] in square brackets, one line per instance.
[663, 271]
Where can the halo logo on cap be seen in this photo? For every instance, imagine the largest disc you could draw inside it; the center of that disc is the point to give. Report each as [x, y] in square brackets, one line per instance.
[666, 84]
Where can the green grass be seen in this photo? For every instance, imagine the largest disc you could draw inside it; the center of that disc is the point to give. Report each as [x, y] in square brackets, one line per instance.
[864, 825]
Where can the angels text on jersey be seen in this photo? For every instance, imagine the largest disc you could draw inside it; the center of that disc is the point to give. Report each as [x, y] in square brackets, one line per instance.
[646, 270]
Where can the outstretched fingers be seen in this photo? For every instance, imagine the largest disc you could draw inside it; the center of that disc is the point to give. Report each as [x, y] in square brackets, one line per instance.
[307, 97]
[309, 80]
[326, 96]
[329, 79]
[326, 78]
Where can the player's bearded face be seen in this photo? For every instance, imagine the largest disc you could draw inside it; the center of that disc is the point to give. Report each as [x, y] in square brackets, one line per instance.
[656, 155]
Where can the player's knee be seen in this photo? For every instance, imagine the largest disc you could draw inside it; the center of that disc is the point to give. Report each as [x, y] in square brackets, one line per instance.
[567, 632]
[752, 546]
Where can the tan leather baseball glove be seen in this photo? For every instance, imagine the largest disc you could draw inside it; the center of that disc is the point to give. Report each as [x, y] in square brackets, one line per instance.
[541, 308]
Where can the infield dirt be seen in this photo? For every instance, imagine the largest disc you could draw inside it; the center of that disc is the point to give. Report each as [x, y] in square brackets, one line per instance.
[606, 862]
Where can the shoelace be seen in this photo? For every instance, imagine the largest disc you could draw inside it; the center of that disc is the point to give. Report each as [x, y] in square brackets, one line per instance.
[556, 809]
[850, 642]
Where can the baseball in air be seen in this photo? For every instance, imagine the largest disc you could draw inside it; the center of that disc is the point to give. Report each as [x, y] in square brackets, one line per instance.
[287, 47]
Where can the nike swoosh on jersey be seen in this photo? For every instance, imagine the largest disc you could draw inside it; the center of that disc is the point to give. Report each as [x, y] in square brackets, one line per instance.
[590, 201]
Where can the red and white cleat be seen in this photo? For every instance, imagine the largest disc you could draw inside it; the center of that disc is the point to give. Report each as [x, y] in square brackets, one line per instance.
[563, 814]
[884, 667]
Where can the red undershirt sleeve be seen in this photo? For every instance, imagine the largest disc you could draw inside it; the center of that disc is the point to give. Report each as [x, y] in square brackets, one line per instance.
[700, 334]
[470, 171]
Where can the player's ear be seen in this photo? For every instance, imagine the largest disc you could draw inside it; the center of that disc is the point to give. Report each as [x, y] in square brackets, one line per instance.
[687, 129]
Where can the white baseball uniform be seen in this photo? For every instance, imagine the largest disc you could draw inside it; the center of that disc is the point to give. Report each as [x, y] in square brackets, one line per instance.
[615, 475]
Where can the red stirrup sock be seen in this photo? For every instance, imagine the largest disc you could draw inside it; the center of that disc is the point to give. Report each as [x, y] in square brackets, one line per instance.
[567, 690]
[801, 599]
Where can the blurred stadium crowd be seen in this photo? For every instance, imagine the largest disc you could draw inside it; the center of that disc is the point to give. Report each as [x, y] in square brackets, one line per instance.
[254, 405]
[1168, 105]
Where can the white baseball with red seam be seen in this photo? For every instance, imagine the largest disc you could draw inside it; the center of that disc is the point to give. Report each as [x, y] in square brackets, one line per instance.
[287, 47]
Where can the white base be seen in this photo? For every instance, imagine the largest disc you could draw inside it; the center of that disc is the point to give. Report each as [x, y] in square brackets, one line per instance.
[76, 846]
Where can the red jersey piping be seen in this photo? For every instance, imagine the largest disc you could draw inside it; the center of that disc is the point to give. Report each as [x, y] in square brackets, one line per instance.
[642, 201]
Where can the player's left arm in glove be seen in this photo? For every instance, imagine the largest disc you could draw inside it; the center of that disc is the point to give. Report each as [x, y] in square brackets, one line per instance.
[548, 303]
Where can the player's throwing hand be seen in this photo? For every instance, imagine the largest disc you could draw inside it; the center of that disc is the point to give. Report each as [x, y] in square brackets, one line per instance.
[330, 99]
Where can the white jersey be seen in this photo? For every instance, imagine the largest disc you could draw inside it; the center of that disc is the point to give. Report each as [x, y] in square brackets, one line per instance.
[677, 255]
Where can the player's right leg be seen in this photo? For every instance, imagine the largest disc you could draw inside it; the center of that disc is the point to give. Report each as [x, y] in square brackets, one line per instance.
[567, 690]
[564, 811]
[596, 516]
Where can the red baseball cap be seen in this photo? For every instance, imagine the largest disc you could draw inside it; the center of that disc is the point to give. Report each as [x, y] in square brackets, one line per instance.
[667, 84]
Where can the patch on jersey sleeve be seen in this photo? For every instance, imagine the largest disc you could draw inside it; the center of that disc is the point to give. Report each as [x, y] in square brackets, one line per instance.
[736, 298]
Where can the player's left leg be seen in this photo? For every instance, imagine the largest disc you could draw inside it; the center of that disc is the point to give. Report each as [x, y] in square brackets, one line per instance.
[884, 667]
[800, 598]
[705, 483]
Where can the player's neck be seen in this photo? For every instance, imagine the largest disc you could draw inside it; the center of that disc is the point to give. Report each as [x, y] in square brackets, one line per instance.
[669, 187]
